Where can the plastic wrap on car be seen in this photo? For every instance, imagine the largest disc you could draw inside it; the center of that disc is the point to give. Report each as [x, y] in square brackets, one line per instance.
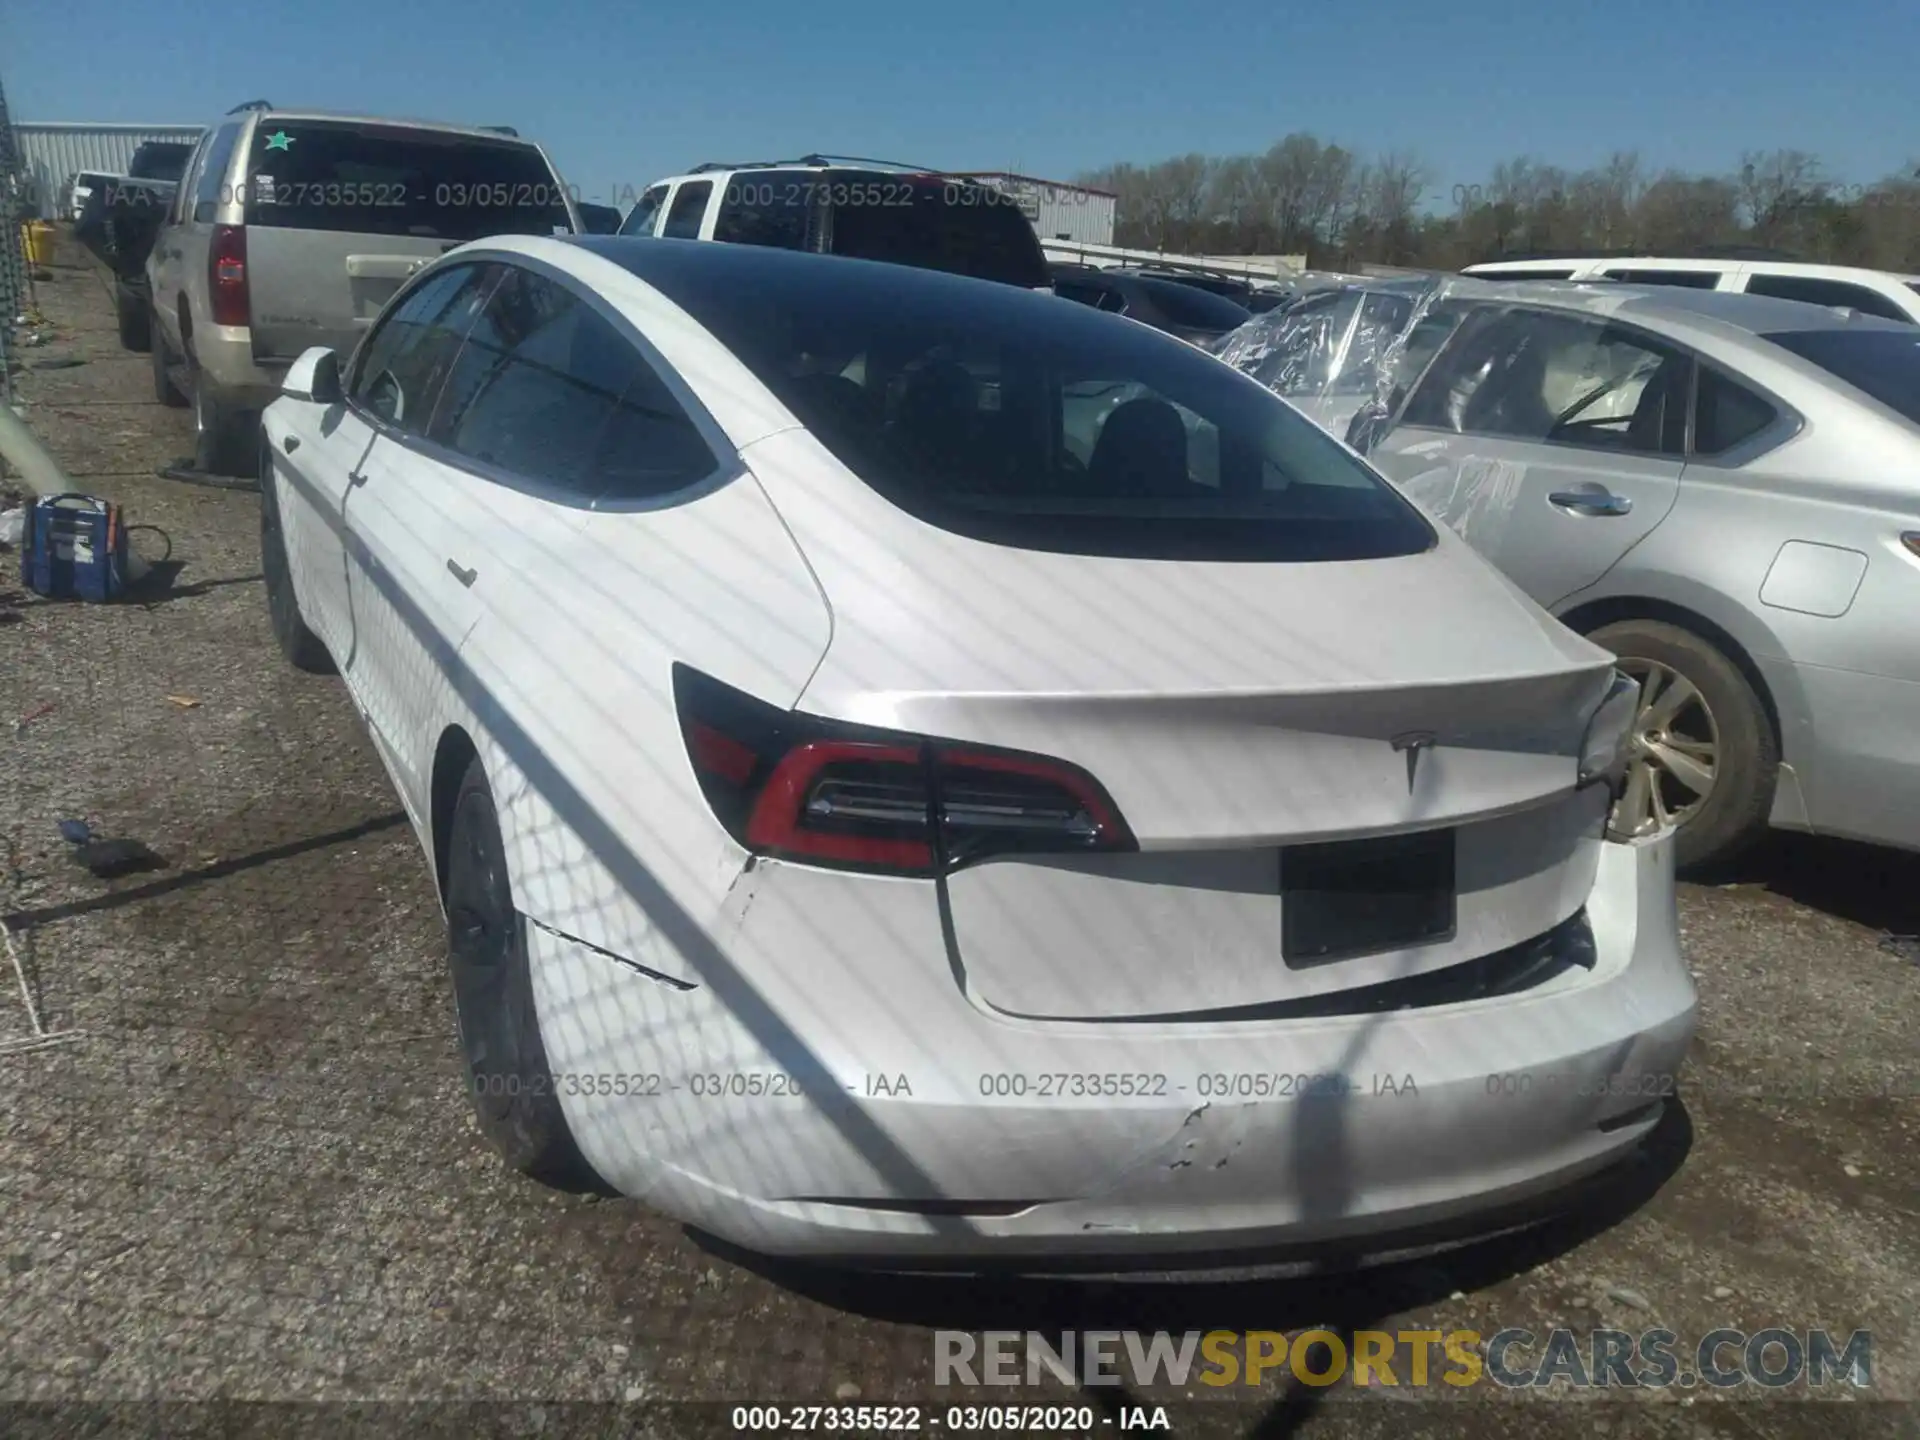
[1331, 352]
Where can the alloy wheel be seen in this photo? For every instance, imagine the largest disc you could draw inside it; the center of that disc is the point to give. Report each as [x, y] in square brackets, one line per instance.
[1673, 752]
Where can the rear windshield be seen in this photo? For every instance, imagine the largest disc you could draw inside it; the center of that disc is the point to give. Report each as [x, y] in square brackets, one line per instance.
[1022, 420]
[392, 180]
[1186, 305]
[1883, 363]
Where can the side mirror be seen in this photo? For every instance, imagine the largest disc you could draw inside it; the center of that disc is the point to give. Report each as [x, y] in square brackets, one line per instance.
[315, 376]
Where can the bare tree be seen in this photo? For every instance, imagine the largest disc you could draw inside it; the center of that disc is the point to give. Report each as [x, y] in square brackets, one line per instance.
[1304, 194]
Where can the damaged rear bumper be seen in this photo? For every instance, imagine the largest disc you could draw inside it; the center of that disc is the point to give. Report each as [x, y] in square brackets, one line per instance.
[831, 1091]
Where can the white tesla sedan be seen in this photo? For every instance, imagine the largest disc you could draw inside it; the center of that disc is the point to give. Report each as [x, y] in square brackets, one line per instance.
[872, 827]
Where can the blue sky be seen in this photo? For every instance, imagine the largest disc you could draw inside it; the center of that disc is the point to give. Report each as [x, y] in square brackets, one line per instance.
[623, 93]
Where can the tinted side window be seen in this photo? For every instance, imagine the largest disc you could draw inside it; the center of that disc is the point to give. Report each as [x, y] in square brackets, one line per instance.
[546, 387]
[1726, 414]
[1686, 279]
[640, 219]
[211, 187]
[1531, 375]
[1813, 291]
[183, 194]
[689, 207]
[401, 364]
[1884, 364]
[959, 227]
[1098, 296]
[767, 207]
[1186, 305]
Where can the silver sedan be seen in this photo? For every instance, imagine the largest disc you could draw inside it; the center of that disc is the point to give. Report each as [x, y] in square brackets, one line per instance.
[1725, 491]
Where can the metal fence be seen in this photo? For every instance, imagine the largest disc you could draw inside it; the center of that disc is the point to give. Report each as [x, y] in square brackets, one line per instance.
[14, 280]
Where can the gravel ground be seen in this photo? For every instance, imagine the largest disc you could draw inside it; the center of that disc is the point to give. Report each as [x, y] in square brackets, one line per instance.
[252, 1177]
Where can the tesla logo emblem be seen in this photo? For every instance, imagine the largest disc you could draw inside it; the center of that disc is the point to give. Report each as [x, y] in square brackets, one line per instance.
[1412, 743]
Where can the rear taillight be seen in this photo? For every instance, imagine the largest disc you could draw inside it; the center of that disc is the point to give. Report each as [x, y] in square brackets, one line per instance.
[227, 275]
[847, 796]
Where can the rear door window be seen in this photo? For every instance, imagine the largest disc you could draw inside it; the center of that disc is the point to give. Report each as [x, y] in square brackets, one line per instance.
[645, 211]
[935, 224]
[400, 367]
[1812, 290]
[1544, 376]
[395, 180]
[770, 207]
[689, 209]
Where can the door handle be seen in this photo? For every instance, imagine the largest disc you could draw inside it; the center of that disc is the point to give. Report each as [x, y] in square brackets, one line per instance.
[355, 479]
[465, 577]
[1591, 502]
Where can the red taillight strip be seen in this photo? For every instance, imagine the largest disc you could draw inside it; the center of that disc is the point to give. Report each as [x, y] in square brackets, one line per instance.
[775, 822]
[1053, 772]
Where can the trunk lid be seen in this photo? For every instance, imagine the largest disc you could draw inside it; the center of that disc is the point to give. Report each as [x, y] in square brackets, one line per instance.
[1233, 711]
[1219, 703]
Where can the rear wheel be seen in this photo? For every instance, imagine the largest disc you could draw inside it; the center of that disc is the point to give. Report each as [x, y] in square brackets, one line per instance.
[164, 390]
[223, 439]
[1703, 755]
[134, 317]
[300, 645]
[508, 1079]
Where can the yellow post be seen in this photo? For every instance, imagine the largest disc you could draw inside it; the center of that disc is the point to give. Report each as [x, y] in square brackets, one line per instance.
[37, 239]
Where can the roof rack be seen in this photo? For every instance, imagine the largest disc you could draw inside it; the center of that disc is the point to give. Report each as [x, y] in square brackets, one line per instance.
[1697, 252]
[501, 130]
[247, 105]
[709, 166]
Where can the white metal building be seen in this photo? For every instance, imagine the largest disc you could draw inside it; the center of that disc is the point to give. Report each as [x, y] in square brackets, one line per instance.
[53, 151]
[1058, 210]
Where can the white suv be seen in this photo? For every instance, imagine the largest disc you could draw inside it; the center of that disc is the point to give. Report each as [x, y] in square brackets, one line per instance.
[866, 209]
[1870, 292]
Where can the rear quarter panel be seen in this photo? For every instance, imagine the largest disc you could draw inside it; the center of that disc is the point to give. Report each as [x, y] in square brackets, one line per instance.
[567, 684]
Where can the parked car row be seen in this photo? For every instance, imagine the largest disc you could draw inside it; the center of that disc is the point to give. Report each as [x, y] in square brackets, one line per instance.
[1870, 292]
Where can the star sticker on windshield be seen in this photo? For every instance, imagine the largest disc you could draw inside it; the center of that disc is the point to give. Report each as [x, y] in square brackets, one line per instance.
[279, 140]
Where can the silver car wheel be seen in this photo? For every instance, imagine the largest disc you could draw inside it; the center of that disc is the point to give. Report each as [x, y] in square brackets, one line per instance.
[1673, 752]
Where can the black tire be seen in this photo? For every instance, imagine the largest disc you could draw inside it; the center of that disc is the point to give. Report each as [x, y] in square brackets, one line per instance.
[225, 441]
[1746, 751]
[164, 390]
[135, 319]
[303, 649]
[508, 1079]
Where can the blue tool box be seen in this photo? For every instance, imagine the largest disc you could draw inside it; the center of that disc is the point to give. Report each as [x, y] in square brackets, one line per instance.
[73, 547]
